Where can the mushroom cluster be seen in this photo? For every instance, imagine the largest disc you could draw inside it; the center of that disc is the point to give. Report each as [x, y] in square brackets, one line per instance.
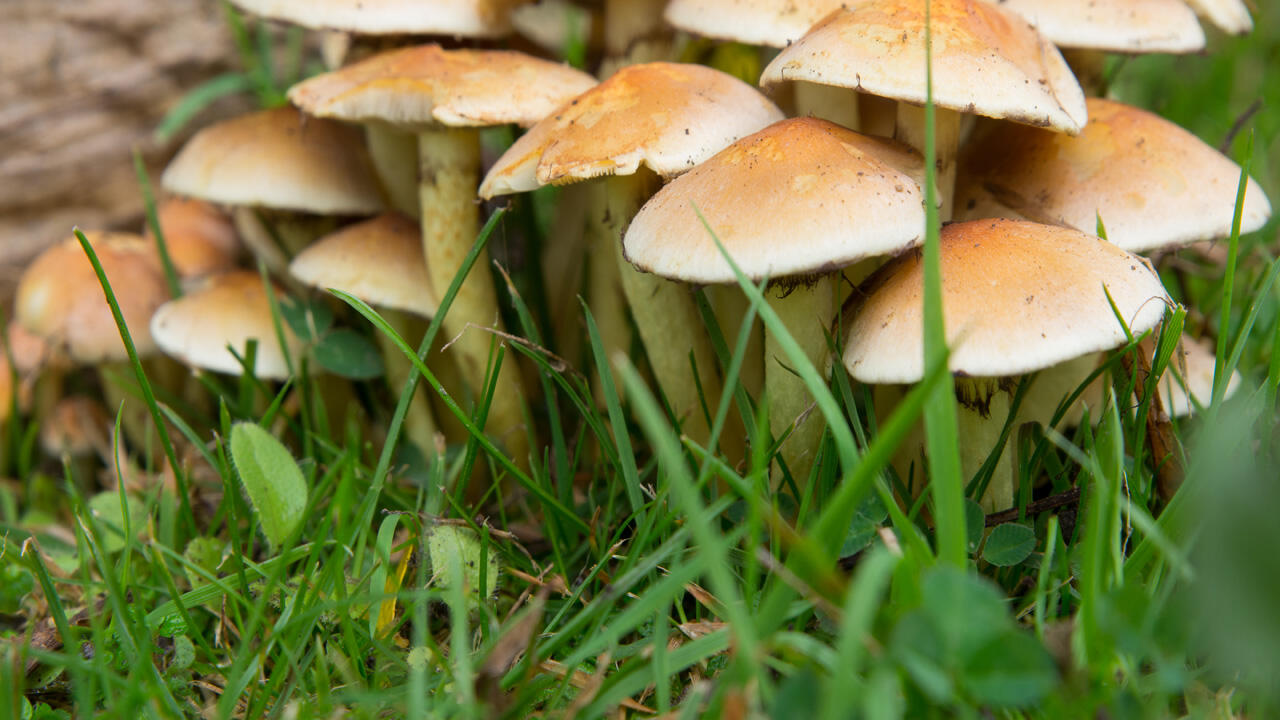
[371, 182]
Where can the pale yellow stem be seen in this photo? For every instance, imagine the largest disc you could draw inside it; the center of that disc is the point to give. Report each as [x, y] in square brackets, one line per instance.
[604, 287]
[664, 314]
[449, 163]
[807, 312]
[911, 130]
[836, 104]
[730, 307]
[562, 267]
[395, 158]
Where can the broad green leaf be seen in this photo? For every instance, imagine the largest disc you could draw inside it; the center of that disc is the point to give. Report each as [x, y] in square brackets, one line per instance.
[271, 478]
[206, 554]
[965, 609]
[1009, 544]
[447, 542]
[866, 521]
[105, 507]
[1012, 670]
[347, 353]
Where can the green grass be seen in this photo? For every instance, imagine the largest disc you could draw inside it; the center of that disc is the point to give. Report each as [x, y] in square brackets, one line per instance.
[638, 567]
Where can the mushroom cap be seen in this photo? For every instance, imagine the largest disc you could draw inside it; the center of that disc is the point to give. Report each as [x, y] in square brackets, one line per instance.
[77, 426]
[775, 23]
[986, 60]
[462, 18]
[1153, 184]
[1016, 297]
[60, 300]
[1128, 26]
[226, 310]
[278, 159]
[379, 261]
[668, 116]
[427, 86]
[199, 238]
[1231, 16]
[29, 351]
[801, 196]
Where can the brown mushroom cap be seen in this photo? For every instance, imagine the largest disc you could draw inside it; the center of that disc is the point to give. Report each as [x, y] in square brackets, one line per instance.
[1130, 26]
[801, 196]
[463, 18]
[1153, 183]
[278, 159]
[379, 261]
[775, 23]
[667, 116]
[59, 297]
[227, 310]
[986, 60]
[1017, 297]
[199, 238]
[427, 86]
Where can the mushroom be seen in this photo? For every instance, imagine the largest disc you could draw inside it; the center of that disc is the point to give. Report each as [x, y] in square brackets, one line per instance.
[380, 261]
[225, 312]
[447, 96]
[282, 164]
[199, 238]
[795, 203]
[772, 24]
[1017, 297]
[986, 60]
[1153, 184]
[666, 117]
[60, 299]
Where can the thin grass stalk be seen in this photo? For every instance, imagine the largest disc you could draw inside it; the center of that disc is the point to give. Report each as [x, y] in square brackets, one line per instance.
[940, 425]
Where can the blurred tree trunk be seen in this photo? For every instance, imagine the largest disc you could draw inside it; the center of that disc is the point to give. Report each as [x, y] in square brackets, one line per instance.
[83, 82]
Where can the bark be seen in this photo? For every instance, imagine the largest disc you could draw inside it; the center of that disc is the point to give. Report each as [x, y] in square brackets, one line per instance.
[82, 82]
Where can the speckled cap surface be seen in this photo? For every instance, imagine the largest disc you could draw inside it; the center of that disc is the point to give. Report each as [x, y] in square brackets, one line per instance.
[986, 60]
[1153, 184]
[1017, 297]
[665, 116]
[801, 196]
[427, 86]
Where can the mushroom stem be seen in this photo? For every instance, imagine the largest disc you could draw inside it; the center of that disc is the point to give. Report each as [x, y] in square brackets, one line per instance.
[911, 129]
[982, 410]
[449, 162]
[562, 270]
[276, 236]
[395, 159]
[605, 292]
[807, 312]
[827, 102]
[730, 306]
[664, 314]
[419, 422]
